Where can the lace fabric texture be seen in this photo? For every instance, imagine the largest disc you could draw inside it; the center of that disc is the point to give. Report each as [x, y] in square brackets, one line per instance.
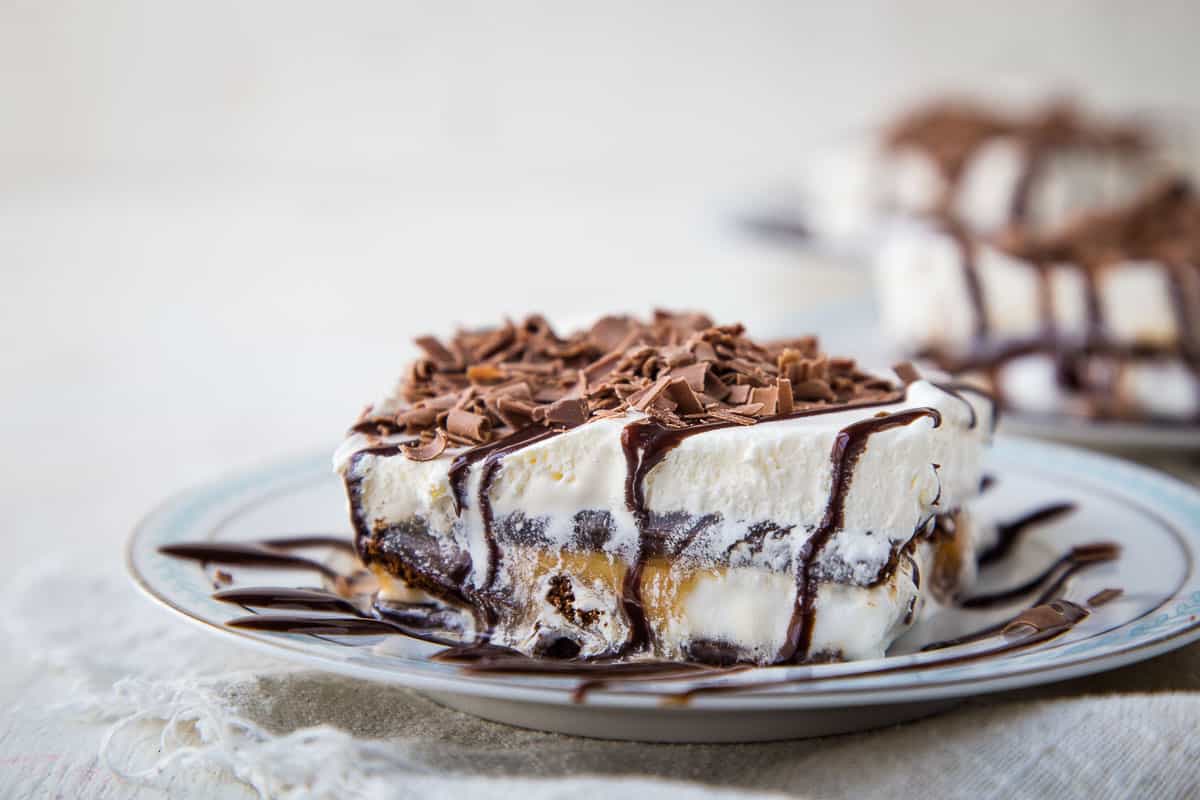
[173, 706]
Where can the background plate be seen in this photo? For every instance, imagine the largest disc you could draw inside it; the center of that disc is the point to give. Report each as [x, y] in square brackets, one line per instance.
[852, 327]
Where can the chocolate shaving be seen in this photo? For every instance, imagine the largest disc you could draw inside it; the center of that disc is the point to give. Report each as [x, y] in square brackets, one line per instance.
[684, 396]
[679, 369]
[474, 427]
[1104, 596]
[436, 352]
[786, 396]
[695, 375]
[813, 390]
[427, 450]
[485, 373]
[768, 397]
[649, 395]
[1161, 224]
[737, 395]
[570, 411]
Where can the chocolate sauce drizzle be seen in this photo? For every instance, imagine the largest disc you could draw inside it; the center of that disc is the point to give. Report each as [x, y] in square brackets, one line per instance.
[1046, 619]
[848, 447]
[252, 554]
[1009, 533]
[971, 278]
[1062, 570]
[646, 443]
[281, 597]
[1056, 574]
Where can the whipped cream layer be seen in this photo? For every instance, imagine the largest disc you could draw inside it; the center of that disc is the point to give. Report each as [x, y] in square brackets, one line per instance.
[719, 537]
[969, 301]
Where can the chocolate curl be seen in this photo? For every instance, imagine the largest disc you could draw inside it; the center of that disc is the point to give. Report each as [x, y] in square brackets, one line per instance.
[682, 395]
[813, 390]
[515, 413]
[695, 375]
[730, 415]
[738, 395]
[568, 412]
[610, 332]
[436, 352]
[646, 397]
[768, 396]
[786, 399]
[425, 451]
[601, 367]
[467, 425]
[418, 419]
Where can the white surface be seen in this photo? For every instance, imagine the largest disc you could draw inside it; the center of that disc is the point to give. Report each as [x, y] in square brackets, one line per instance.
[211, 219]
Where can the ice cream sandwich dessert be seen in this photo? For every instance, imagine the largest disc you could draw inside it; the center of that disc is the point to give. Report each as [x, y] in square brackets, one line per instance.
[986, 168]
[1098, 317]
[665, 489]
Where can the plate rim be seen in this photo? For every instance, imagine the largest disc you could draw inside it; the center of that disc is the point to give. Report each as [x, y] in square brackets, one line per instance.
[782, 697]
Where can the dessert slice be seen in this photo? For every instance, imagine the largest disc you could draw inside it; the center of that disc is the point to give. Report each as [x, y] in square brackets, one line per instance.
[1099, 317]
[986, 168]
[668, 490]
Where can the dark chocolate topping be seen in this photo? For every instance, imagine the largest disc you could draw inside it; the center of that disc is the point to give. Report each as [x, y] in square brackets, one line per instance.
[951, 132]
[680, 369]
[849, 446]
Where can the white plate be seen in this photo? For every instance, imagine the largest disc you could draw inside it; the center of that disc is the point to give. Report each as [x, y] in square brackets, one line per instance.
[1155, 518]
[851, 327]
